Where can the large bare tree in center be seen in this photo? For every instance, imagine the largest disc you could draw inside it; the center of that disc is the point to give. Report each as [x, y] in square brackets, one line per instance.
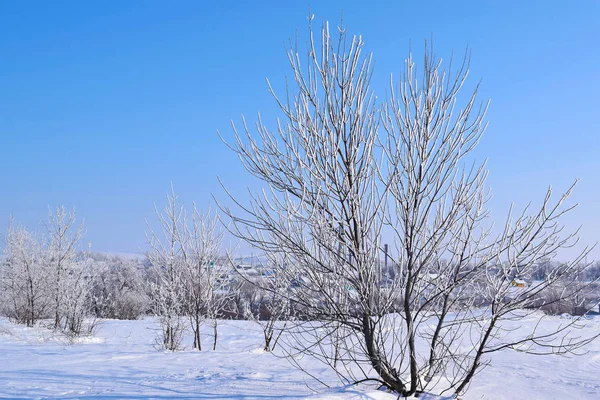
[342, 171]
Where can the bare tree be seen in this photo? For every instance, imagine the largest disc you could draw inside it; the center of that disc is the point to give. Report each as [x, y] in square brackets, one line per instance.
[189, 282]
[76, 305]
[64, 268]
[341, 172]
[202, 273]
[219, 291]
[270, 303]
[22, 276]
[49, 277]
[168, 285]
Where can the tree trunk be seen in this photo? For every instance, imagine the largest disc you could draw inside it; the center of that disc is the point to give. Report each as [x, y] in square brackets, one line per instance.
[215, 333]
[197, 342]
[268, 336]
[386, 376]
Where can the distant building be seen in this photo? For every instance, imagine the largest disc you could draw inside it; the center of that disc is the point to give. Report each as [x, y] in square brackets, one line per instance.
[520, 283]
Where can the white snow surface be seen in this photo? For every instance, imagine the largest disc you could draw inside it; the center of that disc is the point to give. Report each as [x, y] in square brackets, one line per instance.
[121, 362]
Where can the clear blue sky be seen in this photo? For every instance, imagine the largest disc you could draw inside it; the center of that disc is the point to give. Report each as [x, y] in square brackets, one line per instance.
[103, 105]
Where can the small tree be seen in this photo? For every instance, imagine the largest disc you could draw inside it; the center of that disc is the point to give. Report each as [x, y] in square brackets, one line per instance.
[49, 277]
[188, 282]
[168, 281]
[273, 316]
[60, 258]
[203, 274]
[76, 304]
[342, 171]
[22, 277]
[219, 293]
[269, 300]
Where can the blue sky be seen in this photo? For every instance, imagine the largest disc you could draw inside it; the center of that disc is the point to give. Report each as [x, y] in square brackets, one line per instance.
[103, 105]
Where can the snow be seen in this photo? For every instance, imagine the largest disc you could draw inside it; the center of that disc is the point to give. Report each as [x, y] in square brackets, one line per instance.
[121, 362]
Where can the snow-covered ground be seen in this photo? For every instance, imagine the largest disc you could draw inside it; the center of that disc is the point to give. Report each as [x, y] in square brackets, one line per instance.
[121, 362]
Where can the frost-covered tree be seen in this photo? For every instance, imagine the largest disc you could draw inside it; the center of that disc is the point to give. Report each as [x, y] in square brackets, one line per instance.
[76, 303]
[61, 263]
[70, 274]
[342, 171]
[219, 293]
[187, 280]
[49, 277]
[22, 277]
[205, 278]
[270, 302]
[168, 280]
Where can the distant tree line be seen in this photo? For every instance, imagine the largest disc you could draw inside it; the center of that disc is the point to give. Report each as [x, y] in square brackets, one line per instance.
[47, 279]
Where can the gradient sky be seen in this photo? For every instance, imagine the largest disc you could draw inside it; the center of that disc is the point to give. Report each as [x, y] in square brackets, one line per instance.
[103, 105]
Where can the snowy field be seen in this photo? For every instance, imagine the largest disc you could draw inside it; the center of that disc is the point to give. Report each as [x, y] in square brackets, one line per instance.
[121, 362]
